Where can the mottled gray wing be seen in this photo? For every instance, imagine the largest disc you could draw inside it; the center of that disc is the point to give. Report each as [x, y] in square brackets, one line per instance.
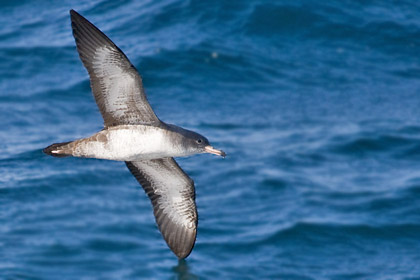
[115, 82]
[173, 198]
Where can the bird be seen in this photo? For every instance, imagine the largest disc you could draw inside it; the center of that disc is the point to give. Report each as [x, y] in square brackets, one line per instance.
[134, 134]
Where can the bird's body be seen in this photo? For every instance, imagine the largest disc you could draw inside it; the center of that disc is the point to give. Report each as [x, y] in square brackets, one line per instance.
[128, 143]
[134, 134]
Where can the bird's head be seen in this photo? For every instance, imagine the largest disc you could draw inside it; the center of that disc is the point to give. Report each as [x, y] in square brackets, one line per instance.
[202, 145]
[196, 143]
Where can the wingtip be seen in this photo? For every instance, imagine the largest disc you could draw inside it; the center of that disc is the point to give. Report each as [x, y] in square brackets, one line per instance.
[73, 12]
[183, 246]
[183, 255]
[75, 16]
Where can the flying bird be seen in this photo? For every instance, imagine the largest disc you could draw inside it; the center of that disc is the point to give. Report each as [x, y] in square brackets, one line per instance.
[133, 133]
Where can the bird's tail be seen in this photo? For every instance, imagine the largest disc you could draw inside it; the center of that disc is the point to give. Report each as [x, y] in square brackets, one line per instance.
[59, 149]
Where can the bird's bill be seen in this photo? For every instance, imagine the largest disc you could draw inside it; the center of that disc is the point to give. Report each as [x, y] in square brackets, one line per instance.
[211, 150]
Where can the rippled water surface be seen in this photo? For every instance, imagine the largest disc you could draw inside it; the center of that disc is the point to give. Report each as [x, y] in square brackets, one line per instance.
[316, 104]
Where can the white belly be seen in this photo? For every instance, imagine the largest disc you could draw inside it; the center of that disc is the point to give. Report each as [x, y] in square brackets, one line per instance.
[128, 143]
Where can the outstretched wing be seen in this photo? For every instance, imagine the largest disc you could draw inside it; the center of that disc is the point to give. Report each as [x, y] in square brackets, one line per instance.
[173, 198]
[116, 84]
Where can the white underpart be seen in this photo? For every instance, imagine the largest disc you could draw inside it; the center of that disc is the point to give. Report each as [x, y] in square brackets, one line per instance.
[130, 143]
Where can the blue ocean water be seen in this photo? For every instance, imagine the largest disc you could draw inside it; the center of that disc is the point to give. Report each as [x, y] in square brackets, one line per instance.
[316, 104]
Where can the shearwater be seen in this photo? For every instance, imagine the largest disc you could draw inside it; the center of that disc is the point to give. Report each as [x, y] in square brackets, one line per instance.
[134, 134]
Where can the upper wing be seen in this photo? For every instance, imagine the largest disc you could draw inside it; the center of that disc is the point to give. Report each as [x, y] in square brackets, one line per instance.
[115, 83]
[173, 198]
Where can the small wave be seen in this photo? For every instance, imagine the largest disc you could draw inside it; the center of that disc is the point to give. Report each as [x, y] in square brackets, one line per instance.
[110, 245]
[236, 125]
[23, 156]
[269, 19]
[308, 234]
[368, 144]
[307, 230]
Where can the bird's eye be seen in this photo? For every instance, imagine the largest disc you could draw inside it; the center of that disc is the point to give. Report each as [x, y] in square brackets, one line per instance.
[199, 141]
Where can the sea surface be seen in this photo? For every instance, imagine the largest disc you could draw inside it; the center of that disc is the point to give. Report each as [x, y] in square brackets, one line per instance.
[316, 103]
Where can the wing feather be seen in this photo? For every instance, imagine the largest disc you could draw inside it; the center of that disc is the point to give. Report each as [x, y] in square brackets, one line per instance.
[173, 198]
[116, 84]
